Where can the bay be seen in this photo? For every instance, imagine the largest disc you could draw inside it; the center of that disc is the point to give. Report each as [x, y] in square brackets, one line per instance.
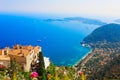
[60, 41]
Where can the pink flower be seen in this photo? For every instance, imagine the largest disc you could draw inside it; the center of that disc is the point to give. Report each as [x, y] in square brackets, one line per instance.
[34, 75]
[80, 73]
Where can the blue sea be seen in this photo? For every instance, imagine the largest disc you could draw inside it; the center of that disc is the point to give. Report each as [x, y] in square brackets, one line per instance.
[60, 41]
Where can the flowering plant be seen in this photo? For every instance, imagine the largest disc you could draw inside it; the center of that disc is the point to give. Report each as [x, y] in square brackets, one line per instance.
[34, 75]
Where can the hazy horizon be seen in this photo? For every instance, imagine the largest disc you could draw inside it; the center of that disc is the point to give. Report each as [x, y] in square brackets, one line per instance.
[100, 8]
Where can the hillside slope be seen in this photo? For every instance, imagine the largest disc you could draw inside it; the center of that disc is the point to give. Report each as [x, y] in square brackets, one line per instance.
[109, 33]
[104, 61]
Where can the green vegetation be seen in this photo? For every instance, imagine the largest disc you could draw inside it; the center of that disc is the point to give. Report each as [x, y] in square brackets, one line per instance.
[104, 63]
[60, 72]
[14, 72]
[108, 33]
[41, 67]
[111, 70]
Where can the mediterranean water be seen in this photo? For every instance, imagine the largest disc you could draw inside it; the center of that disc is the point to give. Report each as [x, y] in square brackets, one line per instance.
[60, 41]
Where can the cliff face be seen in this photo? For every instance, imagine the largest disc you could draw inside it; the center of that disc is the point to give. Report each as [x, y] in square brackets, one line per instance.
[108, 33]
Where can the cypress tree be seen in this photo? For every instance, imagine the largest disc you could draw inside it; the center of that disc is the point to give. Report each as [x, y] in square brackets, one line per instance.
[41, 68]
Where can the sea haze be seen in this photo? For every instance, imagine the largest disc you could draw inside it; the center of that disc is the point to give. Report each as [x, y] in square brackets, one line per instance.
[60, 40]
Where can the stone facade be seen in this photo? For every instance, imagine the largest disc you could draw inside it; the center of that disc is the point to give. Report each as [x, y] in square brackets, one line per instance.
[23, 55]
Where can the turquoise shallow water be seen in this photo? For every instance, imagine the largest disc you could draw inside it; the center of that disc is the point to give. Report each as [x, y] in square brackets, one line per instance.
[59, 41]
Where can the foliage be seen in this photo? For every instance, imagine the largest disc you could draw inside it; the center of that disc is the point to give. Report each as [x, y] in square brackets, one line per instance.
[111, 70]
[14, 71]
[1, 76]
[60, 72]
[41, 68]
[27, 75]
[104, 64]
[51, 69]
[109, 33]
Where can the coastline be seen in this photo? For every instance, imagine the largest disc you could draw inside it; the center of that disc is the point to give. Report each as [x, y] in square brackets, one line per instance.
[84, 57]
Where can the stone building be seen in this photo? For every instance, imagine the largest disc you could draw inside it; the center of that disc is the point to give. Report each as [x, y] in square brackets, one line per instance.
[25, 56]
[4, 57]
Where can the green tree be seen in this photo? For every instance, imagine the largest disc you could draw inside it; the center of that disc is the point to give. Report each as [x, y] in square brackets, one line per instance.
[11, 69]
[41, 68]
[51, 69]
[14, 71]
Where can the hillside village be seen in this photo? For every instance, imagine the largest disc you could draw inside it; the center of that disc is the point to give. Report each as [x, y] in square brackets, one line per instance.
[25, 56]
[20, 62]
[102, 63]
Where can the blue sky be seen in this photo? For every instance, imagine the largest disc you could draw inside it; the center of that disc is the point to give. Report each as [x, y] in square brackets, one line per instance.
[73, 7]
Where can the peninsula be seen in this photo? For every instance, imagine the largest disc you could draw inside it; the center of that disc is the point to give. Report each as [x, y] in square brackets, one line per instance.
[103, 62]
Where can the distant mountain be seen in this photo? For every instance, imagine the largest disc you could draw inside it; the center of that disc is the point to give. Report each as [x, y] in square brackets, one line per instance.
[117, 20]
[109, 33]
[79, 19]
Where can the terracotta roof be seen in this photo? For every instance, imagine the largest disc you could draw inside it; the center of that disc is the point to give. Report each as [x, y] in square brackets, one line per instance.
[24, 51]
[36, 49]
[28, 47]
[19, 52]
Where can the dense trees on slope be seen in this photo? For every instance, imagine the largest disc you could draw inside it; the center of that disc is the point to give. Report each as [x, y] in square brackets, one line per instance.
[109, 72]
[105, 62]
[109, 33]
